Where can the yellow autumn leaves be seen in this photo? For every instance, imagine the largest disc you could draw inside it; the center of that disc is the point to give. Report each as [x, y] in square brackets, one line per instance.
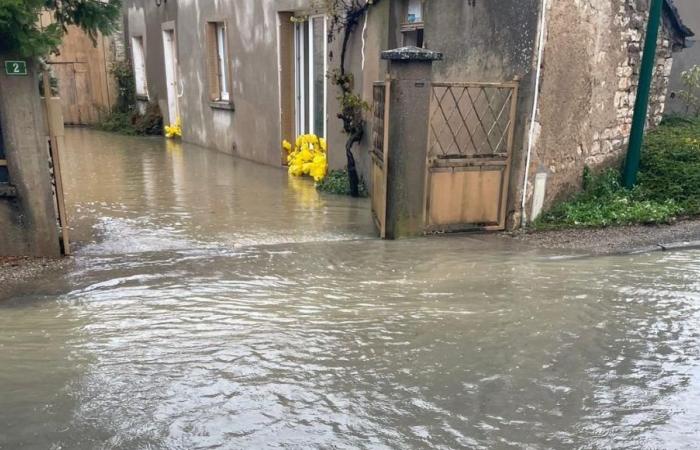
[307, 157]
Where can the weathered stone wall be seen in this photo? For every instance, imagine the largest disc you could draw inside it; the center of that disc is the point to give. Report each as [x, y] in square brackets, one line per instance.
[613, 139]
[590, 77]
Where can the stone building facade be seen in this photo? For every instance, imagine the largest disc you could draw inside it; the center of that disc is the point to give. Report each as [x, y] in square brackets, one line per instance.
[588, 77]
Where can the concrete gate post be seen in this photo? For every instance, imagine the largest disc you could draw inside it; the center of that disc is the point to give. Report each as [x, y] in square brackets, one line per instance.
[28, 225]
[410, 69]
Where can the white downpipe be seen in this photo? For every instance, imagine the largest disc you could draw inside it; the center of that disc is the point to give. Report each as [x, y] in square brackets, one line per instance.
[533, 119]
[364, 38]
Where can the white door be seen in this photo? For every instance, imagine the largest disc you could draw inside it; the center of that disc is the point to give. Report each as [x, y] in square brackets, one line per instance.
[311, 50]
[170, 52]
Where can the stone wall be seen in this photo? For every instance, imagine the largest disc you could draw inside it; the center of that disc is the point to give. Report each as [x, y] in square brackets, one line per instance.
[590, 77]
[612, 140]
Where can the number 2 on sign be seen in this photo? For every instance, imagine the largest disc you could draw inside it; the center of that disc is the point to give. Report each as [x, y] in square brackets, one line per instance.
[16, 68]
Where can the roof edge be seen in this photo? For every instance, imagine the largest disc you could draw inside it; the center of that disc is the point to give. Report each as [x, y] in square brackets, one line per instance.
[676, 22]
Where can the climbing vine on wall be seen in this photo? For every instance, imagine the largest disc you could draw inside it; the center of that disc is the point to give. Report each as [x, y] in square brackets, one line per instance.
[344, 18]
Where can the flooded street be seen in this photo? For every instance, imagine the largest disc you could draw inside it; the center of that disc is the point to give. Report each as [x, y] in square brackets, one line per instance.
[215, 303]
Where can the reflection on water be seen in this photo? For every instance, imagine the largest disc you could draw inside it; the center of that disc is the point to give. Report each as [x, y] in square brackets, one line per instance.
[216, 304]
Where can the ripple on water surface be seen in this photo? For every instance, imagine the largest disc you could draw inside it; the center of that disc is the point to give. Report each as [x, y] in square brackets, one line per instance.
[179, 327]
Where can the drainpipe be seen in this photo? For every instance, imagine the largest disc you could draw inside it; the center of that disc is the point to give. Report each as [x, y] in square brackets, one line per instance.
[641, 106]
[536, 101]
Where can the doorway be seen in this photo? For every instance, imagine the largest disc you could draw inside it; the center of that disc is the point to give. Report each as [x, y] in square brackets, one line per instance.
[311, 66]
[170, 54]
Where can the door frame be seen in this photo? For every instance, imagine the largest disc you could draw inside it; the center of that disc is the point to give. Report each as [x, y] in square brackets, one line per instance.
[170, 62]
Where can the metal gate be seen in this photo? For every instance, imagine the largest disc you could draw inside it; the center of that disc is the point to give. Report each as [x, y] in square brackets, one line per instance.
[469, 155]
[380, 153]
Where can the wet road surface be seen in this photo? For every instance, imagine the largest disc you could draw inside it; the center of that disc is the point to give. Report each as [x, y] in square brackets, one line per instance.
[214, 303]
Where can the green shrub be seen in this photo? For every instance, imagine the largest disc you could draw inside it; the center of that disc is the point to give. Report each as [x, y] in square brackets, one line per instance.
[150, 123]
[117, 122]
[690, 95]
[126, 85]
[124, 118]
[669, 185]
[337, 182]
[670, 165]
[604, 202]
[134, 123]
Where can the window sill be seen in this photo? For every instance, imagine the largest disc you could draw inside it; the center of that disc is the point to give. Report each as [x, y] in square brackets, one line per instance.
[412, 26]
[227, 106]
[7, 190]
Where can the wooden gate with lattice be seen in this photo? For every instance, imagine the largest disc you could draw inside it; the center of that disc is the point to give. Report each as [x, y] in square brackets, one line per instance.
[469, 155]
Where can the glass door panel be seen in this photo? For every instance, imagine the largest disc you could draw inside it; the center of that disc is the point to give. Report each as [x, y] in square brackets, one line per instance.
[310, 76]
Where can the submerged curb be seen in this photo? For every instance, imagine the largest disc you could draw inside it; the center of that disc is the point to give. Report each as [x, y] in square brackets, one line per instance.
[690, 245]
[673, 246]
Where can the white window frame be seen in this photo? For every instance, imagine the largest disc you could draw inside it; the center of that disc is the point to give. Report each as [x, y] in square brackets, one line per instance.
[300, 85]
[139, 59]
[222, 60]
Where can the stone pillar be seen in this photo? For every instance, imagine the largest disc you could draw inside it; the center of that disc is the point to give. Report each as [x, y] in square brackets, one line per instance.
[28, 222]
[410, 69]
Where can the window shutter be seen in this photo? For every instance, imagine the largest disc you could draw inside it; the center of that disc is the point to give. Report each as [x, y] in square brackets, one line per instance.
[212, 63]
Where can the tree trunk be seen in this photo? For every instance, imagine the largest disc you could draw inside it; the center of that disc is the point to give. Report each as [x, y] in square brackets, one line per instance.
[353, 177]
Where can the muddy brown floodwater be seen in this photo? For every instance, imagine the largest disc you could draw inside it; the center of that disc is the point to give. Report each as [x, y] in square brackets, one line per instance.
[214, 303]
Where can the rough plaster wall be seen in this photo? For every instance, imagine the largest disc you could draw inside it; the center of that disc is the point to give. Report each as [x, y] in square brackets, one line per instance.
[481, 40]
[484, 40]
[590, 75]
[145, 19]
[28, 224]
[376, 41]
[251, 131]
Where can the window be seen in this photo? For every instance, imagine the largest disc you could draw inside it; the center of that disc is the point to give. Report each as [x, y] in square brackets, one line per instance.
[219, 73]
[221, 61]
[412, 28]
[139, 66]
